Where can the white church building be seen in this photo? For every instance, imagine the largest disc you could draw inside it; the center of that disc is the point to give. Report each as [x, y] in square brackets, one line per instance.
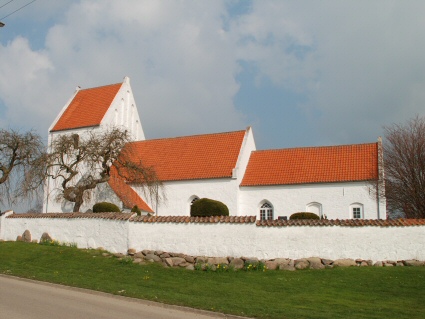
[331, 181]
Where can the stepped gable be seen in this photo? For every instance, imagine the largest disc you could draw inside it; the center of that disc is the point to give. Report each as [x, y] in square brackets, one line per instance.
[87, 108]
[329, 164]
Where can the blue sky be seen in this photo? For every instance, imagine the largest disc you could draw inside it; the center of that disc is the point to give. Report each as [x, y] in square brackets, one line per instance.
[301, 73]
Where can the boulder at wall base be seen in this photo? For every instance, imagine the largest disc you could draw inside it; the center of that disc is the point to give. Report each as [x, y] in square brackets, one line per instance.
[19, 238]
[177, 260]
[344, 262]
[287, 267]
[301, 264]
[201, 259]
[190, 259]
[139, 255]
[45, 237]
[153, 257]
[26, 236]
[168, 262]
[237, 263]
[316, 265]
[413, 263]
[327, 261]
[271, 265]
[217, 260]
[314, 260]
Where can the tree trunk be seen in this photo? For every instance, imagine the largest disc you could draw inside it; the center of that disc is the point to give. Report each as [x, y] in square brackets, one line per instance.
[77, 206]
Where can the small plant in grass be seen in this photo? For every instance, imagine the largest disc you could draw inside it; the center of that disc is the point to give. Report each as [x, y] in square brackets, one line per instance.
[222, 268]
[205, 267]
[254, 266]
[57, 243]
[209, 267]
[126, 260]
[50, 242]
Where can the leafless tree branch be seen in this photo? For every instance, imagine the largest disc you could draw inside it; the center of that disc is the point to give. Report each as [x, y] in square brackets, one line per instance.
[404, 154]
[80, 163]
[20, 157]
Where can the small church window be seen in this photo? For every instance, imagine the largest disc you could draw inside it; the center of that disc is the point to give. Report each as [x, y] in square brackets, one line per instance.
[357, 212]
[266, 211]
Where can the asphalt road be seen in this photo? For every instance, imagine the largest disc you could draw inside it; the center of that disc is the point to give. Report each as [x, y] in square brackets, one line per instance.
[27, 299]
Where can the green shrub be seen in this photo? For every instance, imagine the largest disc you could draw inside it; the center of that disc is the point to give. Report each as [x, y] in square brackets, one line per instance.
[304, 215]
[208, 207]
[136, 210]
[105, 207]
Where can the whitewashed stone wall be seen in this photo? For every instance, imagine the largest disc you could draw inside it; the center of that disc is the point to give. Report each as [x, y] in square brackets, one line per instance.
[249, 240]
[229, 239]
[86, 233]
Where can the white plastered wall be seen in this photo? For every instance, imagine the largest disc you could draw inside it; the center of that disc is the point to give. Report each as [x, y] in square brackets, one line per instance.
[179, 194]
[336, 199]
[112, 235]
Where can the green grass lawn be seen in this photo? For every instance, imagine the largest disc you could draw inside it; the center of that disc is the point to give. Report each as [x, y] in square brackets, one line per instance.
[366, 292]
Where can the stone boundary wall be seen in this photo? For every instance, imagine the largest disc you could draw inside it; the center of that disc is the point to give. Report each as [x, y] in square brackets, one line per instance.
[375, 240]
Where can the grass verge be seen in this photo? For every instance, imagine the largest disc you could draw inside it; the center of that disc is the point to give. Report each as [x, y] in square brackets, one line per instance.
[365, 292]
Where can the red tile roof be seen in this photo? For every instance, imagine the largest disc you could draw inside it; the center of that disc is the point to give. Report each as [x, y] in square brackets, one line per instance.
[312, 165]
[87, 108]
[191, 157]
[124, 191]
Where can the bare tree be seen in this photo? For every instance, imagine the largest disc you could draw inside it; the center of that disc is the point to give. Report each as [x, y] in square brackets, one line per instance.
[404, 162]
[21, 155]
[82, 163]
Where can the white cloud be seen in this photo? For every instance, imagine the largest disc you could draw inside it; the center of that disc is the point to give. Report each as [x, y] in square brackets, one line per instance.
[359, 63]
[180, 61]
[24, 83]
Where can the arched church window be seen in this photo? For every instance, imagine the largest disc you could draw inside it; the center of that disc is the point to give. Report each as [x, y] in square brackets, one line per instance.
[266, 211]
